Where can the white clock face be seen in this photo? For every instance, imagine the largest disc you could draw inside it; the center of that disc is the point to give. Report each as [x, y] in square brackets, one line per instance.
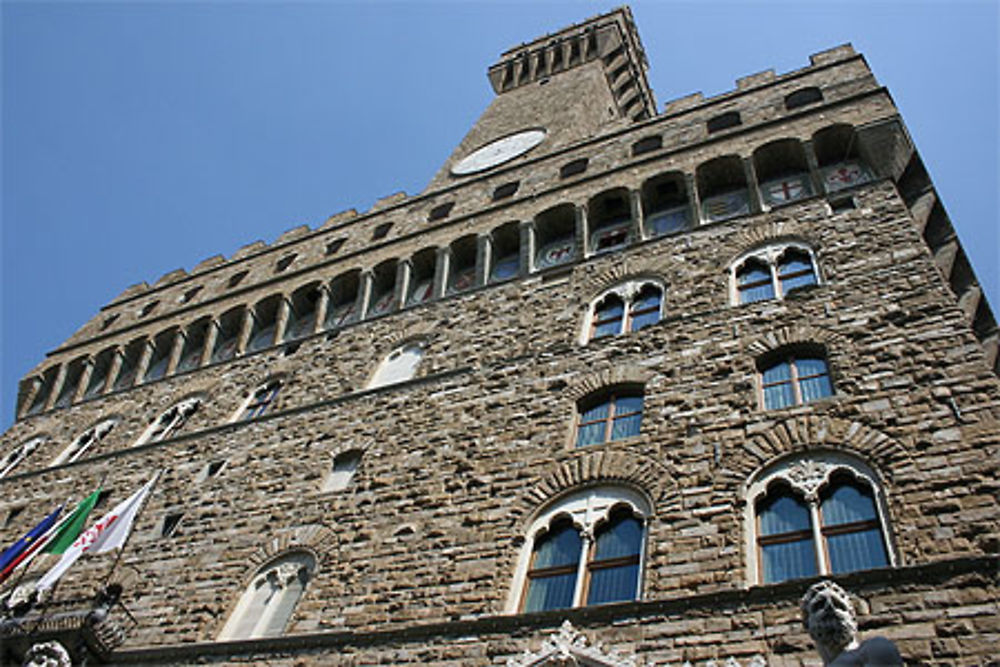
[498, 152]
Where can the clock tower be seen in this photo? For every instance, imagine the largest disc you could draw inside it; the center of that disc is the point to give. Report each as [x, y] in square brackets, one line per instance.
[555, 91]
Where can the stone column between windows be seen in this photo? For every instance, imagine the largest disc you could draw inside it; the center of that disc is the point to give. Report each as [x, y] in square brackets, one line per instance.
[143, 363]
[281, 320]
[586, 540]
[245, 328]
[399, 286]
[482, 259]
[211, 335]
[441, 263]
[753, 187]
[526, 247]
[114, 368]
[817, 530]
[26, 394]
[694, 199]
[322, 304]
[176, 350]
[53, 396]
[582, 245]
[405, 279]
[365, 281]
[811, 160]
[635, 233]
[81, 385]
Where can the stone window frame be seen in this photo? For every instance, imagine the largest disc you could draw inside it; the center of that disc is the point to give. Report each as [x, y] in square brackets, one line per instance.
[85, 441]
[259, 401]
[587, 508]
[627, 291]
[376, 380]
[339, 479]
[170, 420]
[789, 354]
[809, 473]
[770, 255]
[279, 572]
[606, 394]
[16, 456]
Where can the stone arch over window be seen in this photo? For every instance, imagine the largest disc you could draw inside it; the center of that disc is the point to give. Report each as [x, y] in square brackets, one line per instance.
[783, 172]
[399, 365]
[261, 400]
[839, 157]
[666, 207]
[170, 421]
[85, 441]
[722, 187]
[623, 308]
[609, 218]
[269, 599]
[772, 271]
[813, 513]
[17, 455]
[583, 548]
[793, 375]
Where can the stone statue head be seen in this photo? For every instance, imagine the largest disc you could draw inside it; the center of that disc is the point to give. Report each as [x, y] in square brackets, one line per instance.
[829, 617]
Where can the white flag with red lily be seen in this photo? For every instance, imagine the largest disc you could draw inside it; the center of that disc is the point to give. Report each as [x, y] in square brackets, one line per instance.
[109, 532]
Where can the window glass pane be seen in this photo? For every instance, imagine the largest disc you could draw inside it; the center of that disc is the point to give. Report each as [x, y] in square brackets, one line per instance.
[645, 319]
[605, 329]
[794, 282]
[778, 396]
[626, 427]
[754, 294]
[626, 404]
[753, 273]
[622, 537]
[794, 263]
[847, 504]
[860, 550]
[788, 560]
[555, 592]
[613, 584]
[781, 372]
[591, 434]
[560, 546]
[783, 514]
[599, 411]
[648, 298]
[807, 367]
[610, 308]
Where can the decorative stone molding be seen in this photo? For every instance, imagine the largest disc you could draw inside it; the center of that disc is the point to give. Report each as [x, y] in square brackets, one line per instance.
[568, 648]
[617, 375]
[809, 432]
[314, 538]
[792, 336]
[771, 232]
[624, 271]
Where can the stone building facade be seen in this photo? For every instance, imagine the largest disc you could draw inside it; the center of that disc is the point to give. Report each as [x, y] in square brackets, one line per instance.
[599, 317]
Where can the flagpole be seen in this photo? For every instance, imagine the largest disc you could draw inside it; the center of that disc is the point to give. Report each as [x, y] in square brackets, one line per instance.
[121, 549]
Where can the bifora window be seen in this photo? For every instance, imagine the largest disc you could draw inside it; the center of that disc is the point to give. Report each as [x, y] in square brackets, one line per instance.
[585, 549]
[259, 401]
[85, 441]
[772, 273]
[794, 379]
[610, 415]
[816, 514]
[18, 454]
[627, 307]
[170, 421]
[270, 599]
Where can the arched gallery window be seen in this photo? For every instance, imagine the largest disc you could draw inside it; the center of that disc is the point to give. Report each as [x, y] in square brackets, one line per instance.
[772, 272]
[585, 549]
[813, 514]
[269, 600]
[400, 365]
[630, 306]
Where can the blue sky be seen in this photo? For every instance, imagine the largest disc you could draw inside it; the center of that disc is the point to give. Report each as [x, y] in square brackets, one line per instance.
[141, 137]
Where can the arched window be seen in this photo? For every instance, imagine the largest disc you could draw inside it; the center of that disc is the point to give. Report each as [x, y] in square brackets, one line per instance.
[585, 549]
[609, 415]
[818, 513]
[18, 454]
[400, 365]
[772, 272]
[794, 378]
[85, 441]
[269, 600]
[345, 465]
[624, 308]
[170, 421]
[259, 402]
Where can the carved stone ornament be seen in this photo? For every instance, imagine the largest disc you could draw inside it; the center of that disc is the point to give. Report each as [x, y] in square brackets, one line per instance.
[808, 475]
[285, 574]
[47, 654]
[568, 648]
